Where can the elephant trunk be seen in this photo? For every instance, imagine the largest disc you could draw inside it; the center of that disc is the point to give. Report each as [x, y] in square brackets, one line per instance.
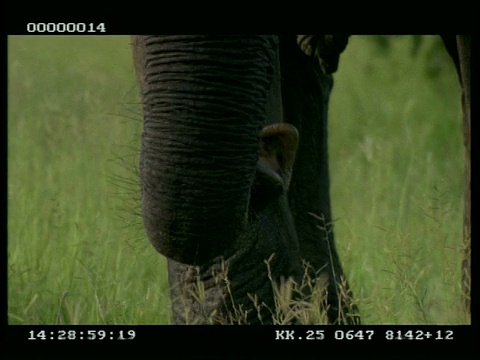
[204, 104]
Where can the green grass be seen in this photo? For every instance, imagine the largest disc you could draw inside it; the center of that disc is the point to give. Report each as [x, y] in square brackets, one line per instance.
[73, 256]
[77, 253]
[397, 181]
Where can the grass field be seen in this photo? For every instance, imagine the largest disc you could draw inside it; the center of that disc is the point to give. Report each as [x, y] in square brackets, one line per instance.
[77, 253]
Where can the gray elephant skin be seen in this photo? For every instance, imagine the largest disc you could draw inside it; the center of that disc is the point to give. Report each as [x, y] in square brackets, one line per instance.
[234, 171]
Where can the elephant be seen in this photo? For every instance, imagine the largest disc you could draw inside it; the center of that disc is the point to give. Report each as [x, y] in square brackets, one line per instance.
[234, 173]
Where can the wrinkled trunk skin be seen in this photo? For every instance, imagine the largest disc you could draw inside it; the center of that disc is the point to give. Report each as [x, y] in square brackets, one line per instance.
[200, 138]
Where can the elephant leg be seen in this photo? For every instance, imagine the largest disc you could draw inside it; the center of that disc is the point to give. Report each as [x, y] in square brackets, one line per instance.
[196, 296]
[305, 91]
